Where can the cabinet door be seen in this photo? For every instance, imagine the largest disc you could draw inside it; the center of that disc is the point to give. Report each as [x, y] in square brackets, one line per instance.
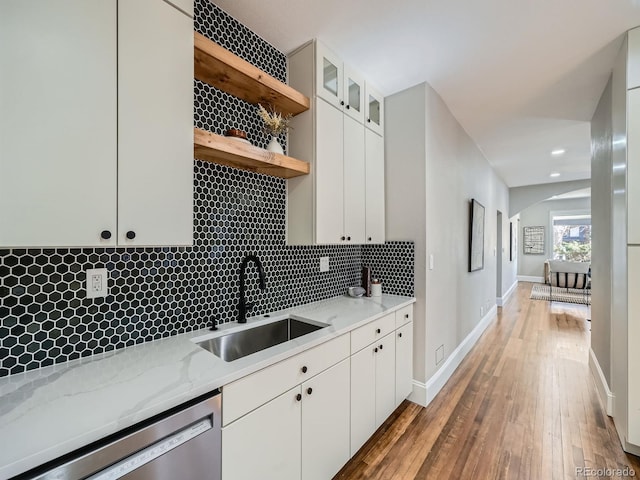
[58, 91]
[374, 110]
[633, 272]
[264, 443]
[363, 396]
[374, 174]
[325, 423]
[155, 124]
[354, 181]
[385, 378]
[329, 76]
[329, 202]
[404, 362]
[633, 167]
[353, 94]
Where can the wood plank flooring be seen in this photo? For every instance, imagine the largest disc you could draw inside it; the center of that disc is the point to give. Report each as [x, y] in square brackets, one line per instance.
[522, 405]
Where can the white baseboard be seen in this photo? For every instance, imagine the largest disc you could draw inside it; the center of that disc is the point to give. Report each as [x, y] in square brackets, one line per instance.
[419, 393]
[438, 380]
[500, 301]
[606, 396]
[631, 448]
[527, 278]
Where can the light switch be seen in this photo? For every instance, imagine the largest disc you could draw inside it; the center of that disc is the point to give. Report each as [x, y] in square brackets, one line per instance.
[324, 264]
[431, 261]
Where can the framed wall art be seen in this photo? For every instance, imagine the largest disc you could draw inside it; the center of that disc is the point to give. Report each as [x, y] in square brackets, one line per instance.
[476, 236]
[513, 241]
[533, 240]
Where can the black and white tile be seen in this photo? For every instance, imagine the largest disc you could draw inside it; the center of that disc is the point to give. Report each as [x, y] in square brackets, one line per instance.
[45, 317]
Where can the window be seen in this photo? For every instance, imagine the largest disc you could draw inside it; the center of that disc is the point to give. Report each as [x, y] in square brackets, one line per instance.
[572, 238]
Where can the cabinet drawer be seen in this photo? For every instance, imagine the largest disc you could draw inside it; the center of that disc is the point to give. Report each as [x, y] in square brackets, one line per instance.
[404, 316]
[369, 333]
[248, 393]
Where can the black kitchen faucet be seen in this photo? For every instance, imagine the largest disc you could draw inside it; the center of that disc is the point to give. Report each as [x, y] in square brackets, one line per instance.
[244, 306]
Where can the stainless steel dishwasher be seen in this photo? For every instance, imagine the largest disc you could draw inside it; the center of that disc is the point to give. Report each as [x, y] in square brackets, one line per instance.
[184, 443]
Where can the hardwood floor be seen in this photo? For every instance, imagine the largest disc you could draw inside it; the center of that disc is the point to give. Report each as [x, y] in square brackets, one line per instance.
[522, 405]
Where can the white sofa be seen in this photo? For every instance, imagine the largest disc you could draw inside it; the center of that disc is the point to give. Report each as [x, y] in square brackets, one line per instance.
[569, 274]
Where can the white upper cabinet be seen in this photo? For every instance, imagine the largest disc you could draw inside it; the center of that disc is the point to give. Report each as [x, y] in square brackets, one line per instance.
[354, 94]
[354, 181]
[329, 175]
[155, 124]
[58, 122]
[374, 175]
[329, 83]
[374, 110]
[96, 123]
[330, 205]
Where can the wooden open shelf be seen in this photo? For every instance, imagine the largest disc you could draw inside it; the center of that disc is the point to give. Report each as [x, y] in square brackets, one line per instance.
[214, 148]
[228, 72]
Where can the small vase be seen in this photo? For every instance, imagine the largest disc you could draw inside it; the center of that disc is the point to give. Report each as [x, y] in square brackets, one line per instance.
[274, 146]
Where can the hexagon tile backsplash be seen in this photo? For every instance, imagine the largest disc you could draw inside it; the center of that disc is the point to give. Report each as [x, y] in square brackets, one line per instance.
[45, 317]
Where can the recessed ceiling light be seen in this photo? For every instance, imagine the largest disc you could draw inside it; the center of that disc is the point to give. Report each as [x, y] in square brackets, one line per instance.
[555, 174]
[558, 151]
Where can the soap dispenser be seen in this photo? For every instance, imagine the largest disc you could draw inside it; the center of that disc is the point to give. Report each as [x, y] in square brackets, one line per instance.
[366, 281]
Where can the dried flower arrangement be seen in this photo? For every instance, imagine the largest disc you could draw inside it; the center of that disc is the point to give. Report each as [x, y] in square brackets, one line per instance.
[274, 122]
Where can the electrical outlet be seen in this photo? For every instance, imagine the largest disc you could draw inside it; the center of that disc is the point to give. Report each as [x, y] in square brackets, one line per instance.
[97, 283]
[324, 264]
[439, 354]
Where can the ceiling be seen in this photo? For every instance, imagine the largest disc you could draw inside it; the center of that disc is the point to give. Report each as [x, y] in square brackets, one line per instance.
[523, 77]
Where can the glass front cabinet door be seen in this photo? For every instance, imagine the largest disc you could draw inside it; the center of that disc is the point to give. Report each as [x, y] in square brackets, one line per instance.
[374, 113]
[353, 94]
[329, 76]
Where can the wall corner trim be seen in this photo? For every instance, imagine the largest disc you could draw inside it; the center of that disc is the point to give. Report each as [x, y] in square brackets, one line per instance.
[606, 396]
[527, 278]
[500, 301]
[439, 379]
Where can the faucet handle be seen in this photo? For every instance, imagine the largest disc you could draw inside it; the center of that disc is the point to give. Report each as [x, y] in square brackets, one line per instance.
[249, 305]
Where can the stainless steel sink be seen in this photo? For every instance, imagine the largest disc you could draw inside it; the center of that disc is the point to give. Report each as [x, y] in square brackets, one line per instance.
[240, 344]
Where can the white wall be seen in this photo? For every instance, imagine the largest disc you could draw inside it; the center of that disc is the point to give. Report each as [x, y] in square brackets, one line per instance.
[601, 194]
[540, 214]
[433, 171]
[405, 197]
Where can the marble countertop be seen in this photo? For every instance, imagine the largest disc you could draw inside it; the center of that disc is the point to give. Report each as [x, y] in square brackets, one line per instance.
[55, 410]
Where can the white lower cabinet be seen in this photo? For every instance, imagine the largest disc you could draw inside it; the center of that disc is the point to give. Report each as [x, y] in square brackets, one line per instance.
[404, 362]
[265, 443]
[335, 404]
[372, 389]
[301, 434]
[325, 423]
[363, 397]
[385, 379]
